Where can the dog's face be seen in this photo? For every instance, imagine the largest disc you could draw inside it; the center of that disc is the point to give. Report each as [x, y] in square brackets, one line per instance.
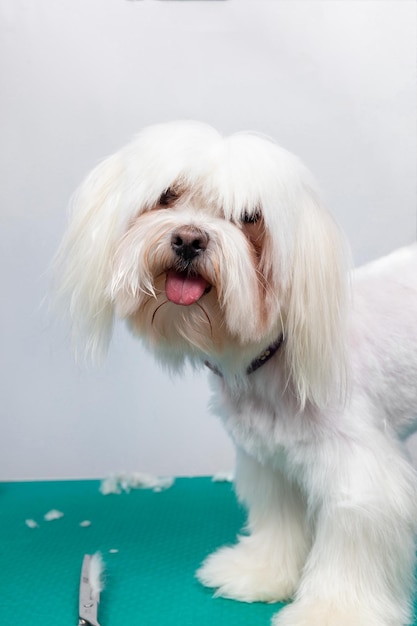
[191, 280]
[208, 246]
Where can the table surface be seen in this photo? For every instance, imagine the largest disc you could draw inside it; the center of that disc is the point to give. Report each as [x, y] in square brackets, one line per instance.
[160, 538]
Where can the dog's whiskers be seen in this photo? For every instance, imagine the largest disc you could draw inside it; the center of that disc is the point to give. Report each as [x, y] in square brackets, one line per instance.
[207, 317]
[157, 309]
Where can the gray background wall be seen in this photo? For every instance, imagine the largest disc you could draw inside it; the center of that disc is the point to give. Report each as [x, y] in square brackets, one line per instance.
[332, 81]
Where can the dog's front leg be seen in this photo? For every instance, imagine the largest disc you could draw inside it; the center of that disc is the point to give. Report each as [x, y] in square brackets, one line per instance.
[266, 564]
[360, 568]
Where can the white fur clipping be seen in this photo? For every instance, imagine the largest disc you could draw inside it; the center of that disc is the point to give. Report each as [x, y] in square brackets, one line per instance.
[53, 515]
[30, 523]
[95, 575]
[222, 477]
[116, 483]
[50, 516]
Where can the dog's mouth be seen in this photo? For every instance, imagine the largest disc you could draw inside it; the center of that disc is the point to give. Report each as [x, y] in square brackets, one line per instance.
[184, 288]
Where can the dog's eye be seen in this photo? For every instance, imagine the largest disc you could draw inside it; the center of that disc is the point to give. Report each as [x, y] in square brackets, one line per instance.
[251, 218]
[168, 197]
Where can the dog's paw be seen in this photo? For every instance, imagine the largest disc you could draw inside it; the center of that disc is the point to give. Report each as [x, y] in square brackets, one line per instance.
[240, 573]
[321, 613]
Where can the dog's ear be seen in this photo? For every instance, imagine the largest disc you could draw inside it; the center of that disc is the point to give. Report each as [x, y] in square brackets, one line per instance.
[83, 263]
[316, 316]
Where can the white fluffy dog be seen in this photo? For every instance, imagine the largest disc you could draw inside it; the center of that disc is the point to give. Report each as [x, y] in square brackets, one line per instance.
[218, 250]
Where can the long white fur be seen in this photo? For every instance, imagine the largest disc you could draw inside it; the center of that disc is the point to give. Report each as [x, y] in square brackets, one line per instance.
[96, 575]
[319, 429]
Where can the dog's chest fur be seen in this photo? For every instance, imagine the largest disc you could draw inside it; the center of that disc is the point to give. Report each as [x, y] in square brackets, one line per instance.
[262, 417]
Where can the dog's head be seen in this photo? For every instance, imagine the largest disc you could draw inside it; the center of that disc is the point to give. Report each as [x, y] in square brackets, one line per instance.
[210, 247]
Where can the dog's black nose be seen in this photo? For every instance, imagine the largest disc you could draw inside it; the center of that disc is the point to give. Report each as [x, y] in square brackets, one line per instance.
[188, 242]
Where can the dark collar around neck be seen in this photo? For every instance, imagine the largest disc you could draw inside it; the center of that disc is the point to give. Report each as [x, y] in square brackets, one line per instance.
[267, 354]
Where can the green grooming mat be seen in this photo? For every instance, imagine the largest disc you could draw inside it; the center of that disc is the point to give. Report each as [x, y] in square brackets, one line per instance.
[151, 544]
[161, 539]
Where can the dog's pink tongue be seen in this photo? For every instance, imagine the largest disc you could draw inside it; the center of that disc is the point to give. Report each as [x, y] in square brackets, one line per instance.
[183, 289]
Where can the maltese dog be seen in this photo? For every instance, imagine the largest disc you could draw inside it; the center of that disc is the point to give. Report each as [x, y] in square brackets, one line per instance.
[218, 251]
